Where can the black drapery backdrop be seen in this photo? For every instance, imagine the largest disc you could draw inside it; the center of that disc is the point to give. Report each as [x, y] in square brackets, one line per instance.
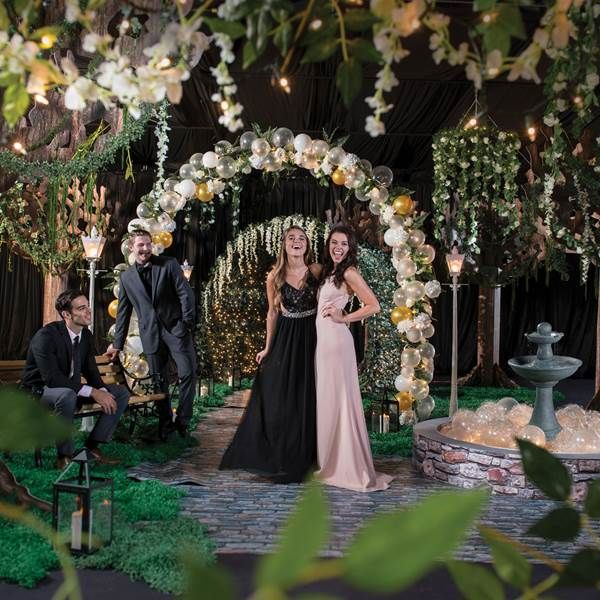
[428, 98]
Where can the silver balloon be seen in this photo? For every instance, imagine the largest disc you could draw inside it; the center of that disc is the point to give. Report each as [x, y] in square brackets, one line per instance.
[246, 139]
[226, 167]
[143, 211]
[336, 155]
[187, 171]
[116, 289]
[223, 147]
[383, 175]
[282, 137]
[260, 147]
[196, 160]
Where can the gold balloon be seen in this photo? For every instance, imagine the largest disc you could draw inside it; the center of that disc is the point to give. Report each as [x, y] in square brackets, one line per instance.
[400, 313]
[405, 400]
[338, 177]
[156, 238]
[402, 205]
[112, 308]
[202, 192]
[166, 238]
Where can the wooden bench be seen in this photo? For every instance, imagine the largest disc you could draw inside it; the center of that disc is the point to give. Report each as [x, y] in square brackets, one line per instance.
[111, 373]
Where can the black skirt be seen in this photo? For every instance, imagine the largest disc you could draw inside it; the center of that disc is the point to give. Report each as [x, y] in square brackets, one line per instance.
[277, 434]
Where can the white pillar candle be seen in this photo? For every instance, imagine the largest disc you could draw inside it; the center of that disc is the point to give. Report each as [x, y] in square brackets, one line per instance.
[230, 380]
[203, 390]
[76, 528]
[386, 424]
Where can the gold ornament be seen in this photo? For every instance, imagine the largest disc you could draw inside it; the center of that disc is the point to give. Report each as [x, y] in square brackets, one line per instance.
[405, 400]
[202, 192]
[112, 308]
[338, 177]
[400, 313]
[402, 205]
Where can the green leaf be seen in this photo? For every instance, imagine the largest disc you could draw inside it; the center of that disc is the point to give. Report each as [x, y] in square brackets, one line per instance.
[545, 471]
[394, 549]
[482, 5]
[249, 54]
[7, 78]
[359, 19]
[283, 37]
[243, 9]
[233, 29]
[582, 569]
[204, 582]
[364, 51]
[304, 534]
[496, 37]
[561, 524]
[475, 582]
[349, 79]
[26, 424]
[509, 564]
[510, 19]
[320, 51]
[592, 500]
[15, 102]
[4, 20]
[262, 31]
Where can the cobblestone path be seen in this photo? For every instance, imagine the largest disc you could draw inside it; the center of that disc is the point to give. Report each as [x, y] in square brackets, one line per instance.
[243, 512]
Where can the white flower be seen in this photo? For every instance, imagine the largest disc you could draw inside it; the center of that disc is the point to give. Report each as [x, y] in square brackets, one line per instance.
[387, 213]
[374, 127]
[216, 186]
[404, 326]
[79, 93]
[592, 80]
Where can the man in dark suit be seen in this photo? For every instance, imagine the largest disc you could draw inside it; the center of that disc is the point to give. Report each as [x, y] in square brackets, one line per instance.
[164, 303]
[59, 354]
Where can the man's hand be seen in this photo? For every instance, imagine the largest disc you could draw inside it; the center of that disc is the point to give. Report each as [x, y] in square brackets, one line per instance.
[112, 352]
[106, 401]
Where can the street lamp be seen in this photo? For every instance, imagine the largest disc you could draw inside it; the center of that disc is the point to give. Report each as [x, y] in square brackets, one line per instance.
[454, 260]
[187, 269]
[92, 246]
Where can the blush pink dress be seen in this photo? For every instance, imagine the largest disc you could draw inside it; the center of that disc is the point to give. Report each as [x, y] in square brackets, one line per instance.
[343, 450]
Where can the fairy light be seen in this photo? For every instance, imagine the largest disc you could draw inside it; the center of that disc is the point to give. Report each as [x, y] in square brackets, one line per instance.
[315, 24]
[47, 41]
[531, 133]
[578, 100]
[472, 122]
[493, 71]
[224, 104]
[489, 17]
[164, 63]
[18, 147]
[284, 83]
[125, 25]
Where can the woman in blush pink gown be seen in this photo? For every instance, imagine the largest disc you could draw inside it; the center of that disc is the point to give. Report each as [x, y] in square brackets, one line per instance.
[344, 453]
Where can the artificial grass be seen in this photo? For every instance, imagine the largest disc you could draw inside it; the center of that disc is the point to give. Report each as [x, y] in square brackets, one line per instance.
[400, 443]
[149, 535]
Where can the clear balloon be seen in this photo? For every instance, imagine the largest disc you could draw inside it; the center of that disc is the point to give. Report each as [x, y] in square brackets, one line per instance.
[186, 171]
[401, 251]
[520, 415]
[361, 195]
[414, 335]
[415, 290]
[336, 155]
[426, 253]
[428, 331]
[116, 289]
[383, 175]
[490, 411]
[168, 201]
[282, 137]
[410, 357]
[416, 238]
[408, 372]
[366, 165]
[379, 194]
[260, 147]
[425, 407]
[271, 163]
[507, 403]
[137, 224]
[210, 160]
[354, 179]
[375, 207]
[225, 167]
[223, 147]
[406, 268]
[196, 160]
[427, 350]
[396, 222]
[533, 434]
[246, 140]
[400, 297]
[419, 389]
[320, 148]
[143, 211]
[170, 184]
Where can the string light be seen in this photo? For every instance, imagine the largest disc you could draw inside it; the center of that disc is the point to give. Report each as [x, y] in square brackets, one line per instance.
[47, 41]
[315, 24]
[531, 133]
[224, 104]
[493, 71]
[164, 63]
[125, 25]
[489, 17]
[285, 84]
[472, 122]
[18, 147]
[578, 100]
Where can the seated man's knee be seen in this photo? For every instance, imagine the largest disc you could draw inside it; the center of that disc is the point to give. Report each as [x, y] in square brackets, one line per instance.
[66, 401]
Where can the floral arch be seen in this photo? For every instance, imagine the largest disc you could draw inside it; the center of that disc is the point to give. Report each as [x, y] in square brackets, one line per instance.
[220, 172]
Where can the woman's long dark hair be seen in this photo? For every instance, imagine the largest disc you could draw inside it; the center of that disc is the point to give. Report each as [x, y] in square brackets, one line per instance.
[350, 260]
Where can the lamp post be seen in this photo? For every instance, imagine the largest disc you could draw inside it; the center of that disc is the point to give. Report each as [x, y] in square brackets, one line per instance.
[187, 269]
[454, 260]
[92, 246]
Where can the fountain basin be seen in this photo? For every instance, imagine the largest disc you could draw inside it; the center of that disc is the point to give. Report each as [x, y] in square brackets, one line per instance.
[548, 371]
[468, 465]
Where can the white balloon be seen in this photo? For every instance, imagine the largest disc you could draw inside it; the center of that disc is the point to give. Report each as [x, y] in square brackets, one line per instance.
[210, 160]
[302, 142]
[187, 188]
[402, 383]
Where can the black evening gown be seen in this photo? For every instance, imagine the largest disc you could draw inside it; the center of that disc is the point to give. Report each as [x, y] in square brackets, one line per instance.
[277, 434]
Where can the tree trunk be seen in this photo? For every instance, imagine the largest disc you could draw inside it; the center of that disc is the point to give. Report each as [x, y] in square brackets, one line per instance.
[53, 286]
[9, 486]
[487, 372]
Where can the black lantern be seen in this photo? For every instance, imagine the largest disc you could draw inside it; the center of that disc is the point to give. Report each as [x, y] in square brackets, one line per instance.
[206, 386]
[82, 508]
[234, 379]
[385, 413]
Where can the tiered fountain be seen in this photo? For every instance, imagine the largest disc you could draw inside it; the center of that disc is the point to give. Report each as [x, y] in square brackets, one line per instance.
[479, 447]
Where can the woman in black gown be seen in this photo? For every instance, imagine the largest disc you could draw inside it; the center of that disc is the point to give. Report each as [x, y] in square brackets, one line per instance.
[277, 434]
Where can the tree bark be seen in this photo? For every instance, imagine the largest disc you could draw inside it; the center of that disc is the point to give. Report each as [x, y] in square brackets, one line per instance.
[9, 486]
[53, 286]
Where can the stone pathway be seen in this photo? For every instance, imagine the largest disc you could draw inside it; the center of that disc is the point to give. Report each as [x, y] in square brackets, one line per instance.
[243, 512]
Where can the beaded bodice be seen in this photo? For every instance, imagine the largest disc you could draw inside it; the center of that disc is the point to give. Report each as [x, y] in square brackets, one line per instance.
[304, 300]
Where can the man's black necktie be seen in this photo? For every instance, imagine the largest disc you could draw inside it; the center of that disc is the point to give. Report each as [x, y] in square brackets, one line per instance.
[76, 377]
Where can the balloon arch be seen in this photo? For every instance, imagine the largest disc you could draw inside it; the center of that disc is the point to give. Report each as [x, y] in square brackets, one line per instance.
[220, 172]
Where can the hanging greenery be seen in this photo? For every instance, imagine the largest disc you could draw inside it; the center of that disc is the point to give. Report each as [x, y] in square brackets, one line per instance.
[475, 193]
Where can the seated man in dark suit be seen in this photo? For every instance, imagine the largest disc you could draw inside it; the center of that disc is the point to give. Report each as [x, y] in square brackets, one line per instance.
[59, 354]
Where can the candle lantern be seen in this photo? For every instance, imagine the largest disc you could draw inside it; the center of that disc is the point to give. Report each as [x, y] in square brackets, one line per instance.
[234, 378]
[206, 386]
[385, 413]
[82, 507]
